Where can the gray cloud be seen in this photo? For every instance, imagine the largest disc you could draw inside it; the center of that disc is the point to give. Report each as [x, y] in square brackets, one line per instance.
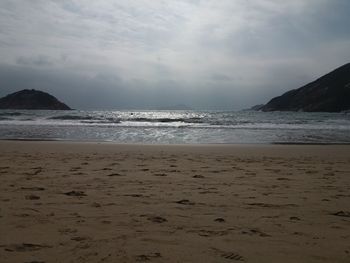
[37, 61]
[139, 53]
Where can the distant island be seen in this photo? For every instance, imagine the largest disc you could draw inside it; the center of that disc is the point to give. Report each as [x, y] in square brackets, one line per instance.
[31, 100]
[330, 93]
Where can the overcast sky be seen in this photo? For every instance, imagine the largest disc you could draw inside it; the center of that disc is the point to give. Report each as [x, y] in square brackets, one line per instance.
[215, 54]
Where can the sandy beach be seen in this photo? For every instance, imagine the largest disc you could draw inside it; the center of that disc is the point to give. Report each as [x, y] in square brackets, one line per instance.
[100, 202]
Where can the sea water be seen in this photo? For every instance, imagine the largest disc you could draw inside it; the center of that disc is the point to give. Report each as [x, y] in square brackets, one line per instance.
[176, 127]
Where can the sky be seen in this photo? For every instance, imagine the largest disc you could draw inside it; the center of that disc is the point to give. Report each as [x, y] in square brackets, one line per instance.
[141, 54]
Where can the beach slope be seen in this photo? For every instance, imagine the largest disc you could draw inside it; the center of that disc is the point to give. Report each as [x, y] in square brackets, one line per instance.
[93, 202]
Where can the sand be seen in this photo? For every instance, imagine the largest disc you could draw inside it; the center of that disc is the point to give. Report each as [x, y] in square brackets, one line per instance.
[93, 202]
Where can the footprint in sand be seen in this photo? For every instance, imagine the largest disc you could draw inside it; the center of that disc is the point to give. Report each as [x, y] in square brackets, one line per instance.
[255, 231]
[95, 204]
[198, 176]
[75, 193]
[79, 239]
[209, 233]
[35, 188]
[283, 179]
[134, 195]
[73, 169]
[185, 202]
[78, 173]
[25, 247]
[157, 219]
[232, 256]
[161, 174]
[341, 214]
[115, 174]
[34, 173]
[148, 257]
[32, 197]
[229, 255]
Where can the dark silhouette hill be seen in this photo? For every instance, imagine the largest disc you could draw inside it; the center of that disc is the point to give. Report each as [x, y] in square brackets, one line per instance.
[31, 100]
[330, 93]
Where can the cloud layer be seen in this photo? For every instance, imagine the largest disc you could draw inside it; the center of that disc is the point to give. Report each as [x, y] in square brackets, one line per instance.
[141, 53]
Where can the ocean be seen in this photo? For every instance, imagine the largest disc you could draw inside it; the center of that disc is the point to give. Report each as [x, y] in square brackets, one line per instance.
[177, 127]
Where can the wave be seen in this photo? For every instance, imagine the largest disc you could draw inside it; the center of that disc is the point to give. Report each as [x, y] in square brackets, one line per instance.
[113, 120]
[10, 113]
[109, 121]
[72, 117]
[167, 120]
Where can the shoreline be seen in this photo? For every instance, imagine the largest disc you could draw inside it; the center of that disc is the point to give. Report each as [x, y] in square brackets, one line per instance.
[165, 144]
[103, 202]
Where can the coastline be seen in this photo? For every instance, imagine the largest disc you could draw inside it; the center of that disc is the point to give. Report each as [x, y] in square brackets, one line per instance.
[173, 144]
[107, 202]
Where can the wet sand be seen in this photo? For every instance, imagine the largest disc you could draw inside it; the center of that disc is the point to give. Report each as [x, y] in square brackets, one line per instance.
[91, 202]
